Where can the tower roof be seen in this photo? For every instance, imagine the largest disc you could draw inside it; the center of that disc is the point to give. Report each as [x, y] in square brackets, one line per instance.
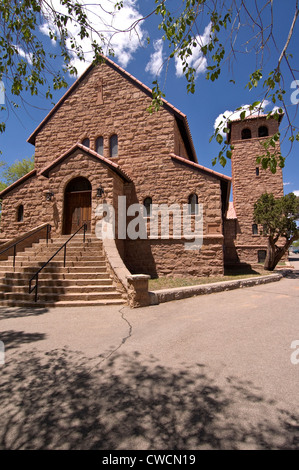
[251, 117]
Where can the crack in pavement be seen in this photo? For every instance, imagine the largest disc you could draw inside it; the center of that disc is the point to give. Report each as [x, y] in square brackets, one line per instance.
[122, 341]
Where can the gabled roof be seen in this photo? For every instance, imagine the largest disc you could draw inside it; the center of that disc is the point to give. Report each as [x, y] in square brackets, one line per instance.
[181, 118]
[18, 182]
[201, 168]
[112, 165]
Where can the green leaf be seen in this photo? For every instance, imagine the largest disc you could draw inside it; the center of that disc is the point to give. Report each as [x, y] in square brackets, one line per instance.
[219, 138]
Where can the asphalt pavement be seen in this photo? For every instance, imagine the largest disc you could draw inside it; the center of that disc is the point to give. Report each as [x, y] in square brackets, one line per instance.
[219, 371]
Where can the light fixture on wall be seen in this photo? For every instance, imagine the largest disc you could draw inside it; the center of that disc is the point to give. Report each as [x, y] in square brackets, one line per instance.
[49, 195]
[100, 191]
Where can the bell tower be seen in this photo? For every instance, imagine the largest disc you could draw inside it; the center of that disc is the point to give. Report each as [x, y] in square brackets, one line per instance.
[250, 181]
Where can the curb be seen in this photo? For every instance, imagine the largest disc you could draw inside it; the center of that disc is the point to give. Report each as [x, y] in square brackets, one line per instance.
[177, 293]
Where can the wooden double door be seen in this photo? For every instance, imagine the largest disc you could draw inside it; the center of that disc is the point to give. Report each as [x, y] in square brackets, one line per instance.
[77, 211]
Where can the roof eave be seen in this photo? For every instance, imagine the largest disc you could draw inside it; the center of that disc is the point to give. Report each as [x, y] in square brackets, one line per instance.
[202, 168]
[168, 106]
[113, 166]
[17, 183]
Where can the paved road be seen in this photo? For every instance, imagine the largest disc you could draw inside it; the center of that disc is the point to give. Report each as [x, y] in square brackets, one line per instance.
[207, 372]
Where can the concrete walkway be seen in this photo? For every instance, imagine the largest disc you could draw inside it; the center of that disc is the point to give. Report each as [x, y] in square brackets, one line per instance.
[205, 372]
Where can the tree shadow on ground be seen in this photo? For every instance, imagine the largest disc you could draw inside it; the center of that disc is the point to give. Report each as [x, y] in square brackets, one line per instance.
[241, 271]
[62, 400]
[291, 273]
[13, 339]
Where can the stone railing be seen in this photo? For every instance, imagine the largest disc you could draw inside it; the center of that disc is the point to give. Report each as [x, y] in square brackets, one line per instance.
[134, 287]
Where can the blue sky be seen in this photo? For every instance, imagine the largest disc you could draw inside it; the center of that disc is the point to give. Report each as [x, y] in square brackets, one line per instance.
[202, 109]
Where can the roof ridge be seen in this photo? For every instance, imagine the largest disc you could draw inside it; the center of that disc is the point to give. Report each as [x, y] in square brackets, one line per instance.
[19, 181]
[176, 111]
[78, 145]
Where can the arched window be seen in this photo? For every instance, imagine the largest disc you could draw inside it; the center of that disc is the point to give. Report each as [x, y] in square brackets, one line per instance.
[254, 229]
[246, 133]
[114, 146]
[147, 207]
[263, 131]
[100, 145]
[86, 142]
[20, 213]
[78, 184]
[192, 204]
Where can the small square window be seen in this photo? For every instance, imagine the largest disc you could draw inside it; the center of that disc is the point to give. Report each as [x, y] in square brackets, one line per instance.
[261, 256]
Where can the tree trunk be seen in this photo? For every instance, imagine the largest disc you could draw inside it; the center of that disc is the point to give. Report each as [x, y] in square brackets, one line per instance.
[269, 261]
[275, 253]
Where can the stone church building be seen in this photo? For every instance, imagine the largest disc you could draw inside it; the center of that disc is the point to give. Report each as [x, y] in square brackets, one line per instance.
[99, 142]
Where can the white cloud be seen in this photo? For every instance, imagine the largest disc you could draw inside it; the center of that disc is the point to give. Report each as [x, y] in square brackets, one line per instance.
[113, 24]
[25, 55]
[155, 64]
[221, 120]
[286, 184]
[296, 192]
[197, 59]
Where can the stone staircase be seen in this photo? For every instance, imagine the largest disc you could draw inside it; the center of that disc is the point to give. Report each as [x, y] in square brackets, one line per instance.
[84, 281]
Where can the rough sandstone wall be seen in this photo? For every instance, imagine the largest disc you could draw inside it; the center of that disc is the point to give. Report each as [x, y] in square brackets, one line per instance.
[144, 144]
[248, 186]
[122, 112]
[32, 195]
[36, 211]
[176, 183]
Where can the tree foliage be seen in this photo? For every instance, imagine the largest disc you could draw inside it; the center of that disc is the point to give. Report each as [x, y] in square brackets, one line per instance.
[278, 220]
[13, 172]
[235, 27]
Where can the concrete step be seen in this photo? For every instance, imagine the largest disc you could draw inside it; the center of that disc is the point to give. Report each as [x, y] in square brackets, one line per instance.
[60, 290]
[71, 246]
[36, 265]
[63, 303]
[56, 269]
[83, 281]
[6, 283]
[70, 256]
[44, 256]
[53, 276]
[50, 297]
[74, 242]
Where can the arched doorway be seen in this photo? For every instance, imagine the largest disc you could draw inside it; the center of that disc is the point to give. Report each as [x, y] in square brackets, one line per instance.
[77, 205]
